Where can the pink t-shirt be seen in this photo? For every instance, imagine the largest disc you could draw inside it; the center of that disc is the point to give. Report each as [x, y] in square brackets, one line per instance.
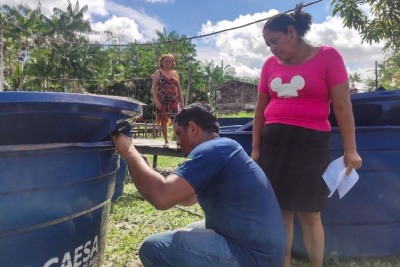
[300, 94]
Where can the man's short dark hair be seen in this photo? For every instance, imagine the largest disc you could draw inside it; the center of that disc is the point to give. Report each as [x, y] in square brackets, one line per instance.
[199, 113]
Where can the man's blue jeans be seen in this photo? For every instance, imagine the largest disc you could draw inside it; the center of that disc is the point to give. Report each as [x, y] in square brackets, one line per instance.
[193, 246]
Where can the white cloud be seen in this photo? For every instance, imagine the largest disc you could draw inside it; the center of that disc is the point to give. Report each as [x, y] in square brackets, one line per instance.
[108, 12]
[359, 57]
[245, 49]
[355, 53]
[97, 7]
[147, 25]
[124, 30]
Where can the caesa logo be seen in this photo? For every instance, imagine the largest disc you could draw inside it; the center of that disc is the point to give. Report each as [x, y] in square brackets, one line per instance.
[85, 255]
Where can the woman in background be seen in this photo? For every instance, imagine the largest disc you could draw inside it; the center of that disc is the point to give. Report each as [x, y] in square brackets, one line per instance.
[167, 93]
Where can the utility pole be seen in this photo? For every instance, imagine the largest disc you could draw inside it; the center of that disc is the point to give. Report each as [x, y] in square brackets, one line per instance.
[1, 56]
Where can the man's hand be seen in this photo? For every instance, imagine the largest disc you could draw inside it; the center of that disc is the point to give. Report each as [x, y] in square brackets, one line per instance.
[122, 143]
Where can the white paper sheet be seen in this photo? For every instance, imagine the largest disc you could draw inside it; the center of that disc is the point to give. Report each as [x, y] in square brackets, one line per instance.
[335, 179]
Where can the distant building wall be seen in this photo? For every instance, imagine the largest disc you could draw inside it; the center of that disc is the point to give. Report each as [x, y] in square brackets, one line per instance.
[235, 96]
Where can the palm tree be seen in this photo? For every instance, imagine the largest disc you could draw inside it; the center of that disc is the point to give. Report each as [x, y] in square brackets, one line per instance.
[17, 40]
[69, 25]
[354, 78]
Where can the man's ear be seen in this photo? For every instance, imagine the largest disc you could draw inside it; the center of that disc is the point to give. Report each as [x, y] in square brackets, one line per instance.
[192, 127]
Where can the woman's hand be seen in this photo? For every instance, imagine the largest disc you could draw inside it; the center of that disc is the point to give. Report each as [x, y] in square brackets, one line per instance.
[158, 105]
[352, 161]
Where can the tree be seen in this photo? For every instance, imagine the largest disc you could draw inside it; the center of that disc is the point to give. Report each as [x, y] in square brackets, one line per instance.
[381, 24]
[53, 53]
[67, 29]
[354, 78]
[370, 84]
[216, 75]
[70, 24]
[18, 41]
[389, 72]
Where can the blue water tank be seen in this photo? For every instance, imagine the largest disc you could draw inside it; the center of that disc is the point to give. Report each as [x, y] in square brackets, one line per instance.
[121, 176]
[55, 202]
[366, 221]
[233, 121]
[39, 117]
[58, 170]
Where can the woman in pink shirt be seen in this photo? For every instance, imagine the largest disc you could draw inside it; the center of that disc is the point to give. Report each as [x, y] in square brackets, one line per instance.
[291, 127]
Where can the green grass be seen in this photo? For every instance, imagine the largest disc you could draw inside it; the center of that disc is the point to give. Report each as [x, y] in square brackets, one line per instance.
[240, 114]
[132, 219]
[166, 163]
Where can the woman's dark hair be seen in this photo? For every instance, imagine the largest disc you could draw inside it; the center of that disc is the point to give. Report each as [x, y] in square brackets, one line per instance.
[199, 113]
[300, 20]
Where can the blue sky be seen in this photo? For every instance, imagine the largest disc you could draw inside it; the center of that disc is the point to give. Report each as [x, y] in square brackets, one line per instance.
[243, 49]
[187, 16]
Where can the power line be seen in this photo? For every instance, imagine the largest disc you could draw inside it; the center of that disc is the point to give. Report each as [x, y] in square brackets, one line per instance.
[248, 24]
[164, 42]
[16, 25]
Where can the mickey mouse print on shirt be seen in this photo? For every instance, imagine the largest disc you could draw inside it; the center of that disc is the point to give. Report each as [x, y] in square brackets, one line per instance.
[288, 90]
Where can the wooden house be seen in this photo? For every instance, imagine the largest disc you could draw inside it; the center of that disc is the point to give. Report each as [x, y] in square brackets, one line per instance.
[235, 96]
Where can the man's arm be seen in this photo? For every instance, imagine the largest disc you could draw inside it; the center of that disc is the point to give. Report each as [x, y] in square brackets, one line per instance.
[162, 192]
[189, 202]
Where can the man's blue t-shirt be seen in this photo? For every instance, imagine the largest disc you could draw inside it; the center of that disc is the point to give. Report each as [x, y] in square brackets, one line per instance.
[237, 200]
